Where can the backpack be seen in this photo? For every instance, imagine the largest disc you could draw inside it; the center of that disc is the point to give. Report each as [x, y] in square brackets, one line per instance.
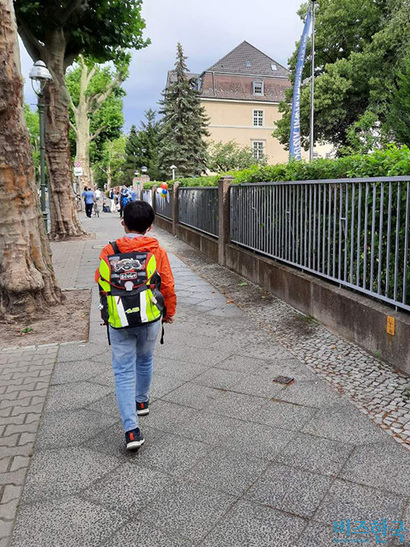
[130, 289]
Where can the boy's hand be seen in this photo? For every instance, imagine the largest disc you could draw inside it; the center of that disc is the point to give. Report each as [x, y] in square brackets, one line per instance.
[168, 319]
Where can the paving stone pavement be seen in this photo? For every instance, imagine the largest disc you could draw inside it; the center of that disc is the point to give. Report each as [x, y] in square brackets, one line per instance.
[230, 459]
[379, 391]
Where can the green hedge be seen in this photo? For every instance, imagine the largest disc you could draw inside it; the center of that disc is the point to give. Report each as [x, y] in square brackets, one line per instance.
[389, 162]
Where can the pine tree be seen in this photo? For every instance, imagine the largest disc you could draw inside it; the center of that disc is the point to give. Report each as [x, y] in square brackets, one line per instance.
[142, 148]
[183, 124]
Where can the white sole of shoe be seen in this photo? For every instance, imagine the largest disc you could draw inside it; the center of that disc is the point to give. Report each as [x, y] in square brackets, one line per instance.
[133, 445]
[143, 412]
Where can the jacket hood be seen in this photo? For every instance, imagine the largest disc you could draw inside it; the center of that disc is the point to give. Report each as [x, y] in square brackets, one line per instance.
[129, 244]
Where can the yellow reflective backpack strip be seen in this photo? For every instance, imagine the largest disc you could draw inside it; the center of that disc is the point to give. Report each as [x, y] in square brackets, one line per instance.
[120, 311]
[113, 317]
[152, 311]
[105, 271]
[151, 267]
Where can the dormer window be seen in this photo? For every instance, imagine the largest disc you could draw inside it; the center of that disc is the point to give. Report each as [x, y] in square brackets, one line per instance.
[258, 87]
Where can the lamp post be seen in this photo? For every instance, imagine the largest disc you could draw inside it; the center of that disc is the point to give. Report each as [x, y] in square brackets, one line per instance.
[173, 167]
[40, 76]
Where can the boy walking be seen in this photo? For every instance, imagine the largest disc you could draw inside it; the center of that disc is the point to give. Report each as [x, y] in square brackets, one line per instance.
[139, 293]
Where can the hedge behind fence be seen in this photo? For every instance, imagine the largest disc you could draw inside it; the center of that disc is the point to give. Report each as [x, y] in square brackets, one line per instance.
[390, 162]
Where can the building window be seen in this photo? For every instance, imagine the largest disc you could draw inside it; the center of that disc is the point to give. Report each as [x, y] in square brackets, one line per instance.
[248, 64]
[258, 118]
[258, 149]
[258, 87]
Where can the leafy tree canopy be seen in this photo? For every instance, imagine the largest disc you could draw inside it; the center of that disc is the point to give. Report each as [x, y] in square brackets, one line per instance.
[100, 29]
[360, 50]
[228, 156]
[104, 96]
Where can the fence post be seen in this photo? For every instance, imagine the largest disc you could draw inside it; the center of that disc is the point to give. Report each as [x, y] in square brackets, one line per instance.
[175, 208]
[224, 217]
[153, 193]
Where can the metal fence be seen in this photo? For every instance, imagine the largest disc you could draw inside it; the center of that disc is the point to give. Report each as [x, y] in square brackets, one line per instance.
[146, 195]
[352, 231]
[163, 205]
[198, 208]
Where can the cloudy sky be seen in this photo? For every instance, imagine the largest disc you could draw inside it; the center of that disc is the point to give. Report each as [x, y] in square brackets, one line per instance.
[207, 31]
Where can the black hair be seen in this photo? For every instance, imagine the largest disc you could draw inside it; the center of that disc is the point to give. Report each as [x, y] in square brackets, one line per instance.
[138, 216]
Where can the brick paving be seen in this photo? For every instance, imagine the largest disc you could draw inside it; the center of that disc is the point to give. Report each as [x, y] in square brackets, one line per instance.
[230, 459]
[24, 379]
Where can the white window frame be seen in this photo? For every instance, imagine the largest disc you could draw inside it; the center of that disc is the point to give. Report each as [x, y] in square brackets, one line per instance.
[258, 151]
[258, 117]
[256, 84]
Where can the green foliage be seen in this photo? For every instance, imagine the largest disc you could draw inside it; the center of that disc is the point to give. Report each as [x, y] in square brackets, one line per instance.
[183, 124]
[33, 126]
[142, 148]
[109, 168]
[99, 29]
[399, 117]
[360, 50]
[392, 161]
[227, 156]
[104, 96]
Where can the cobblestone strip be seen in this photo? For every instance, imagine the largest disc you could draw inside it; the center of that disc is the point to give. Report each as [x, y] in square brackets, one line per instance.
[24, 379]
[373, 386]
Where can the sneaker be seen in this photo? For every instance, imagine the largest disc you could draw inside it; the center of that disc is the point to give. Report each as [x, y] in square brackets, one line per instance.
[134, 439]
[142, 409]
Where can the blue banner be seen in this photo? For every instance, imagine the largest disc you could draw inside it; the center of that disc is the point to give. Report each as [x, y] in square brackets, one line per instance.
[294, 145]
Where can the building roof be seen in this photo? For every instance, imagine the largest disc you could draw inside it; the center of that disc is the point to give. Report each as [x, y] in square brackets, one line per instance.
[248, 60]
[172, 76]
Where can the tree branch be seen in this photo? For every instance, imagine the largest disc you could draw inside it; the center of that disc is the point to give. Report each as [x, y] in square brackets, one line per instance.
[73, 127]
[92, 137]
[101, 97]
[73, 6]
[34, 47]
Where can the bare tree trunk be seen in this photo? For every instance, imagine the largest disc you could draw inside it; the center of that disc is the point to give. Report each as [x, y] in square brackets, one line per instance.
[82, 127]
[27, 281]
[64, 218]
[109, 175]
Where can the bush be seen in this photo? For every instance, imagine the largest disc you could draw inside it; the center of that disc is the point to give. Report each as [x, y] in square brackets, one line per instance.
[391, 161]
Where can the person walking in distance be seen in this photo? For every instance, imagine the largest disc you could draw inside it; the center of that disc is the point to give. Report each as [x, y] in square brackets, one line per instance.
[89, 200]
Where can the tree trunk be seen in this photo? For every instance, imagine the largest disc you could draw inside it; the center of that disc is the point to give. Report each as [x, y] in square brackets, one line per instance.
[27, 281]
[83, 143]
[64, 218]
[82, 127]
[109, 175]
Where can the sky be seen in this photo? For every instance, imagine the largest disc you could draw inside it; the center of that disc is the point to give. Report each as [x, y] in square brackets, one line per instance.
[207, 31]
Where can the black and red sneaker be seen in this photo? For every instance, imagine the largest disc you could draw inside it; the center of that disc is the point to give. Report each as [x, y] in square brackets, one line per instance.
[134, 439]
[142, 409]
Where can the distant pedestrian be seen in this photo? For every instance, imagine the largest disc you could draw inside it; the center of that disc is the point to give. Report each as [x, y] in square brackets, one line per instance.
[124, 198]
[137, 292]
[89, 200]
[111, 195]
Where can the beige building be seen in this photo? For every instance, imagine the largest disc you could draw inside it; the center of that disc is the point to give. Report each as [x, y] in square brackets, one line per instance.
[241, 94]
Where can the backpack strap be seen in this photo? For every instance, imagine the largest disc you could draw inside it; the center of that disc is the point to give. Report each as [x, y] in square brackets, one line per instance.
[115, 247]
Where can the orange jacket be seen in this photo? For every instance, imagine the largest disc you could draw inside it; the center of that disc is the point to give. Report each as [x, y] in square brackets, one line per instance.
[149, 244]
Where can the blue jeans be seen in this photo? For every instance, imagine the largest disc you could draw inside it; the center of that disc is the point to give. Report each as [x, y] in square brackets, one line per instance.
[132, 362]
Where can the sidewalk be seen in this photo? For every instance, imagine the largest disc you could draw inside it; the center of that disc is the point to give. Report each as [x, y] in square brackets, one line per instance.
[231, 458]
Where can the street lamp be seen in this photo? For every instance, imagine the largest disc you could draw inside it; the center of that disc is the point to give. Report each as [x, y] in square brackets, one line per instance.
[173, 167]
[144, 170]
[40, 76]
